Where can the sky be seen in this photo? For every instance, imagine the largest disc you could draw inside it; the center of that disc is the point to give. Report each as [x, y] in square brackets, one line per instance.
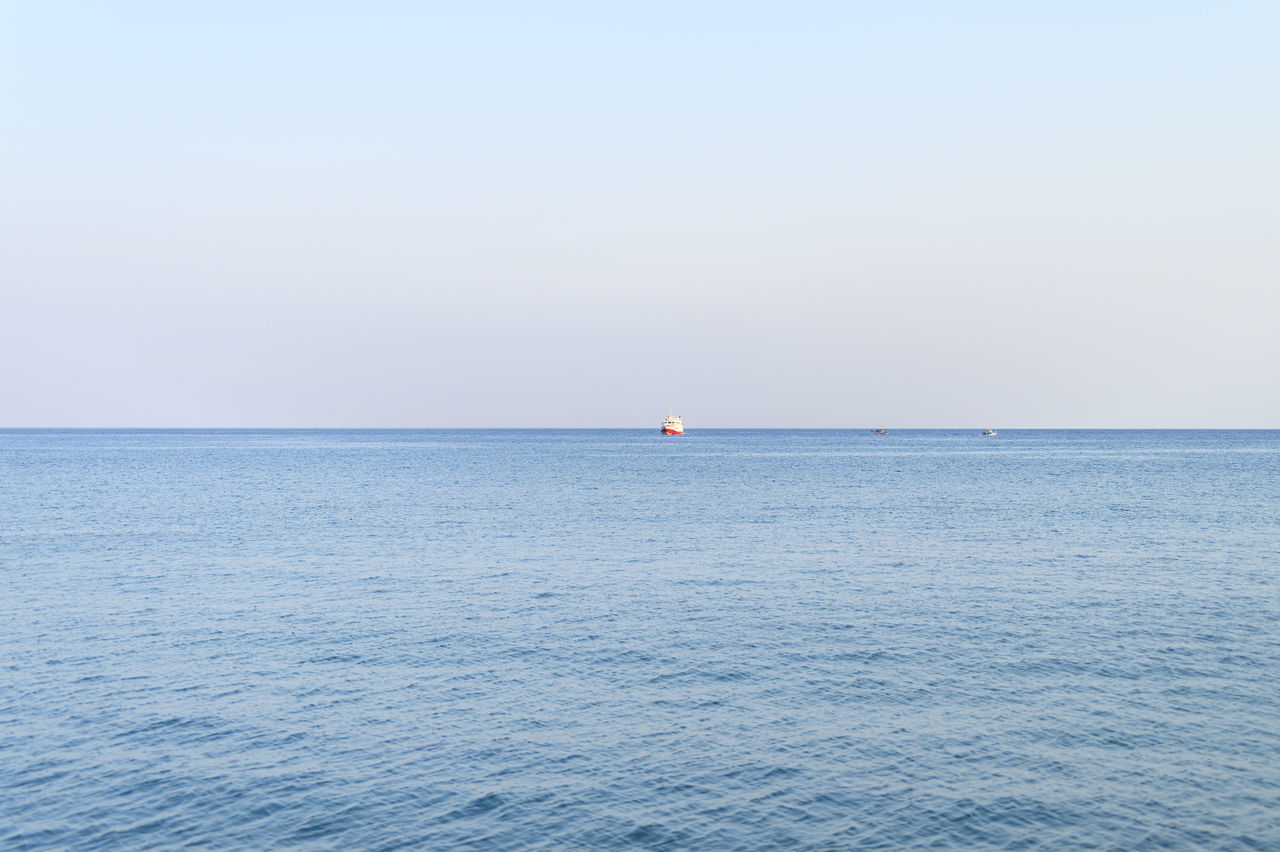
[800, 214]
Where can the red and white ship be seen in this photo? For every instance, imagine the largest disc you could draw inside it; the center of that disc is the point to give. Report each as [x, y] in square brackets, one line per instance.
[673, 425]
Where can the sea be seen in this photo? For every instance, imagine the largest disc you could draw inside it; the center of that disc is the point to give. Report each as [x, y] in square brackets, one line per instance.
[732, 639]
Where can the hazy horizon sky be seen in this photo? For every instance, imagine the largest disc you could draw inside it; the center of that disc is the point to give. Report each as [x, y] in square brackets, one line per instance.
[572, 214]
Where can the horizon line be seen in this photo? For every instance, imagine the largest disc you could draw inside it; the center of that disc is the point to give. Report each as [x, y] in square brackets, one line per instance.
[629, 428]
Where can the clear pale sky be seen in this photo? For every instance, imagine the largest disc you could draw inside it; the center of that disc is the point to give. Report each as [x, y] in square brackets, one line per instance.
[577, 214]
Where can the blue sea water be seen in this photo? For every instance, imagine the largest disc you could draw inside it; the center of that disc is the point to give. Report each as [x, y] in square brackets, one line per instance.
[609, 639]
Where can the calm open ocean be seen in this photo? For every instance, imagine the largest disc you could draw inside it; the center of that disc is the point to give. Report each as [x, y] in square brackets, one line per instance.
[609, 639]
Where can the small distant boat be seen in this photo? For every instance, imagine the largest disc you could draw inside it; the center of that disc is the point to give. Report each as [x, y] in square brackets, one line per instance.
[990, 433]
[672, 425]
[879, 431]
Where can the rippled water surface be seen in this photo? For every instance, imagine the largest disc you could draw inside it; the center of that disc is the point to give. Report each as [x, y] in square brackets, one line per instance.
[729, 640]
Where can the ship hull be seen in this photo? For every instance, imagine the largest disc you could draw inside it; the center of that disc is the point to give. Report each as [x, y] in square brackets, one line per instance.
[672, 432]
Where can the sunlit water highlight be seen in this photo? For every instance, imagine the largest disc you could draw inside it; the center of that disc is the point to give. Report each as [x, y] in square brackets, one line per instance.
[728, 640]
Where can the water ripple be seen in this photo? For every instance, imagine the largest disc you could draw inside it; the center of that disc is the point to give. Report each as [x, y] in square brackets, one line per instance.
[740, 640]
